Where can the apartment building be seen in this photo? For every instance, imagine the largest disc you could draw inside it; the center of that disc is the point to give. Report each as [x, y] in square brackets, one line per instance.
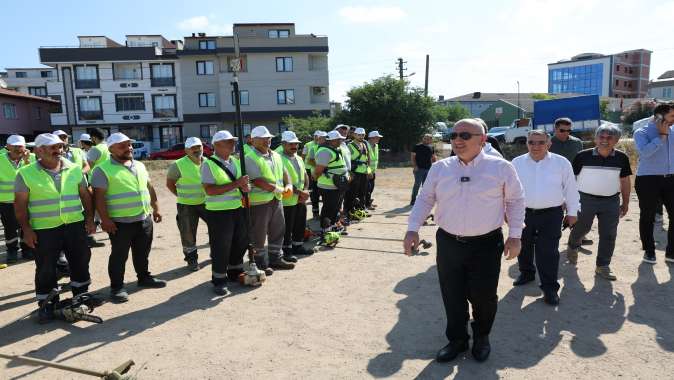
[31, 81]
[24, 114]
[131, 88]
[282, 73]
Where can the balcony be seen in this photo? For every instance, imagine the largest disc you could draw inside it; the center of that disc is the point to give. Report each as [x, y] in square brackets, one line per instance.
[90, 115]
[86, 83]
[163, 82]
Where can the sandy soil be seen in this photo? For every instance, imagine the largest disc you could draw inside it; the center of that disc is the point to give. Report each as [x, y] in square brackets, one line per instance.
[362, 310]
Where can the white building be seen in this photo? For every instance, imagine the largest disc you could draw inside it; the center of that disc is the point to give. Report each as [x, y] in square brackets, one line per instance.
[31, 81]
[663, 87]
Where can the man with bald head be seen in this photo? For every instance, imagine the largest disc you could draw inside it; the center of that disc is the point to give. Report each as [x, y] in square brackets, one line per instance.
[471, 193]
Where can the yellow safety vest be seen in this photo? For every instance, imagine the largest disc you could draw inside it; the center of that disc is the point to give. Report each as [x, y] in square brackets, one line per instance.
[275, 177]
[227, 201]
[296, 178]
[127, 194]
[189, 188]
[8, 175]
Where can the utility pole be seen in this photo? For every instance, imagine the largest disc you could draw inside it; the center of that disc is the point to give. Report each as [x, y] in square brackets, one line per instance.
[519, 110]
[401, 68]
[426, 82]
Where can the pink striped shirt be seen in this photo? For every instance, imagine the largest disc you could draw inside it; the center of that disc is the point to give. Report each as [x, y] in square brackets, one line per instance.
[471, 199]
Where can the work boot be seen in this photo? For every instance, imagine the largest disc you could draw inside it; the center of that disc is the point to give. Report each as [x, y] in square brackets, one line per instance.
[281, 264]
[119, 295]
[92, 300]
[27, 254]
[12, 257]
[481, 348]
[45, 311]
[649, 257]
[572, 255]
[151, 282]
[606, 273]
[299, 250]
[290, 258]
[221, 289]
[192, 264]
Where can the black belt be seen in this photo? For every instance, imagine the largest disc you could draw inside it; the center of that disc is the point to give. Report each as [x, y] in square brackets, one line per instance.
[599, 196]
[658, 175]
[543, 210]
[467, 239]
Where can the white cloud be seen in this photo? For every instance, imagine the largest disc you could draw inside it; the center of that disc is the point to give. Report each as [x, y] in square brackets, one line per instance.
[362, 14]
[204, 24]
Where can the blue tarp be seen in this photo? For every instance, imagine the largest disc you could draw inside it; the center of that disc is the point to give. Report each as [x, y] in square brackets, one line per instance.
[577, 108]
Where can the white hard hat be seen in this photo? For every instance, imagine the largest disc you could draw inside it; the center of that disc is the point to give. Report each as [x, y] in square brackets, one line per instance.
[320, 133]
[359, 131]
[16, 140]
[116, 138]
[192, 141]
[334, 135]
[85, 137]
[289, 137]
[260, 132]
[222, 136]
[374, 134]
[47, 139]
[59, 132]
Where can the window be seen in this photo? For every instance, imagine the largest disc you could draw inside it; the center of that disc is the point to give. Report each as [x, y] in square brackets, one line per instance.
[208, 130]
[243, 98]
[284, 63]
[86, 76]
[56, 108]
[207, 45]
[21, 74]
[38, 91]
[47, 74]
[37, 111]
[170, 136]
[164, 106]
[667, 92]
[285, 96]
[617, 83]
[89, 108]
[244, 63]
[204, 67]
[586, 79]
[129, 102]
[206, 99]
[9, 111]
[127, 71]
[162, 75]
[617, 67]
[279, 33]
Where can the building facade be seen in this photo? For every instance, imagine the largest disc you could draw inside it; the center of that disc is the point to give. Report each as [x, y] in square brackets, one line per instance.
[32, 81]
[663, 87]
[282, 74]
[131, 88]
[621, 75]
[24, 114]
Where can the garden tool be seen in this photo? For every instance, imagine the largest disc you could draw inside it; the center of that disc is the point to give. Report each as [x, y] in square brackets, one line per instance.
[118, 373]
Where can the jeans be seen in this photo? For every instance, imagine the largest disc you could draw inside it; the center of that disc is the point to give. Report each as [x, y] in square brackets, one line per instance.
[607, 211]
[419, 179]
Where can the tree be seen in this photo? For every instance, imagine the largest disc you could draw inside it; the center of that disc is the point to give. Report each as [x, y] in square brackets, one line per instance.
[401, 113]
[637, 111]
[603, 109]
[541, 96]
[305, 128]
[449, 113]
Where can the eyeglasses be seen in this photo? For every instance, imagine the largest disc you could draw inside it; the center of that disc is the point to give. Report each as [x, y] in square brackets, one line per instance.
[536, 142]
[564, 130]
[463, 135]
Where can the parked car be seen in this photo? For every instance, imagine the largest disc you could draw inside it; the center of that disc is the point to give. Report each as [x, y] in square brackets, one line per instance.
[518, 131]
[498, 133]
[141, 150]
[177, 151]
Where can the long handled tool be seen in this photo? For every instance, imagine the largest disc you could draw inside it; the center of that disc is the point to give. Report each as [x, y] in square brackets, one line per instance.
[118, 373]
[252, 275]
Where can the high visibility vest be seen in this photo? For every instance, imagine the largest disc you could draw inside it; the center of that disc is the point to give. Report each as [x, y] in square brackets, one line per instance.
[359, 158]
[275, 177]
[227, 201]
[78, 156]
[189, 188]
[337, 165]
[374, 157]
[8, 175]
[48, 206]
[311, 147]
[105, 154]
[296, 178]
[127, 194]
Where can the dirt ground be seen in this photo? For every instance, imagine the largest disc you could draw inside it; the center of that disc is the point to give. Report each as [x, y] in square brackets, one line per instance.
[362, 310]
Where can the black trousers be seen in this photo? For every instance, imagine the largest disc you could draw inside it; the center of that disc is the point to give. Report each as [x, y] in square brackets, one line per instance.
[228, 235]
[651, 190]
[468, 272]
[296, 223]
[540, 240]
[332, 201]
[355, 196]
[136, 236]
[187, 219]
[314, 195]
[370, 190]
[12, 229]
[72, 240]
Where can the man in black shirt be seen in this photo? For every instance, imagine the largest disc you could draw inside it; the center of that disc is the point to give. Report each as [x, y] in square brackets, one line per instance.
[603, 176]
[423, 156]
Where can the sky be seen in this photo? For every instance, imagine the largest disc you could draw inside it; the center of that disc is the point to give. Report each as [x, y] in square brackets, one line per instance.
[482, 46]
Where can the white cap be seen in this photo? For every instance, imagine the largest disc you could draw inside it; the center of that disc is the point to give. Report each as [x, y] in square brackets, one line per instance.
[374, 134]
[59, 132]
[359, 131]
[85, 137]
[16, 140]
[116, 138]
[289, 137]
[192, 141]
[334, 135]
[321, 133]
[341, 126]
[221, 136]
[47, 139]
[260, 132]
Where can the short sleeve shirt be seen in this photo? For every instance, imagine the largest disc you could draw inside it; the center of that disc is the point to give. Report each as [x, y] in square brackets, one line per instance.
[600, 176]
[423, 155]
[173, 172]
[100, 181]
[93, 155]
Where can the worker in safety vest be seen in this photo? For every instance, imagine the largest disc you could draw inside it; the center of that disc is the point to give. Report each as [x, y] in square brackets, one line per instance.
[127, 205]
[330, 171]
[55, 210]
[99, 152]
[360, 163]
[270, 182]
[309, 156]
[11, 160]
[373, 147]
[184, 181]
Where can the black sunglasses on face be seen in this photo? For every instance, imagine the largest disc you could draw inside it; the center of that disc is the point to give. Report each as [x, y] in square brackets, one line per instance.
[463, 135]
[564, 130]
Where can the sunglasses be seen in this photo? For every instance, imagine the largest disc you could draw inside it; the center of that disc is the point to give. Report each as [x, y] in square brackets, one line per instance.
[532, 143]
[463, 135]
[564, 130]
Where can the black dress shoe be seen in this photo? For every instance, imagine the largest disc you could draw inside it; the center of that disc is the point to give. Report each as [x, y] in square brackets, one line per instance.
[151, 282]
[523, 279]
[451, 351]
[551, 298]
[481, 348]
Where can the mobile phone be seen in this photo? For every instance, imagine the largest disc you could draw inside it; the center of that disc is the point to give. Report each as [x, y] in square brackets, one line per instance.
[658, 118]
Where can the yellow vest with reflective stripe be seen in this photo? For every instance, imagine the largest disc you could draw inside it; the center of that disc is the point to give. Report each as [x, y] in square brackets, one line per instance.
[127, 194]
[311, 153]
[374, 157]
[357, 155]
[189, 188]
[105, 154]
[78, 156]
[8, 175]
[48, 206]
[296, 178]
[275, 178]
[335, 166]
[227, 201]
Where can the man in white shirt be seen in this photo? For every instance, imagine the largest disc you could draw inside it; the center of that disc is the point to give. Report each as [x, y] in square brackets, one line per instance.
[471, 192]
[549, 184]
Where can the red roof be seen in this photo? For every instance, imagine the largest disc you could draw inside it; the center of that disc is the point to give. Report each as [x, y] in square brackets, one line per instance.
[16, 94]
